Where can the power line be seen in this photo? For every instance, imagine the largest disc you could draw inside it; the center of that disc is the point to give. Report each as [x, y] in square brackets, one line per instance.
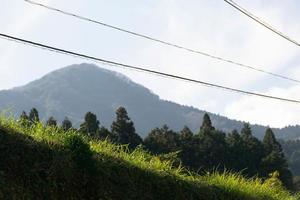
[165, 42]
[260, 21]
[117, 64]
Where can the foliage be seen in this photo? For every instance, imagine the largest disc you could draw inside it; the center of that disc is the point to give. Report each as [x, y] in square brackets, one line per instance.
[162, 140]
[80, 152]
[291, 150]
[24, 119]
[274, 160]
[123, 129]
[296, 183]
[212, 149]
[51, 122]
[66, 124]
[41, 163]
[273, 180]
[90, 126]
[34, 115]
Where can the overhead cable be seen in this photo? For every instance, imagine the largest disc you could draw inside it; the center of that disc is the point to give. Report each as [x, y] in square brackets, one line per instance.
[235, 63]
[141, 69]
[261, 22]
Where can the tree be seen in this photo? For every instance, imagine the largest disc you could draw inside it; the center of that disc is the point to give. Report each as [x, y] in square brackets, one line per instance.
[186, 134]
[210, 147]
[51, 122]
[252, 152]
[295, 162]
[104, 133]
[274, 159]
[246, 131]
[291, 150]
[24, 119]
[90, 126]
[34, 115]
[187, 146]
[206, 124]
[297, 183]
[235, 147]
[270, 142]
[162, 140]
[124, 130]
[66, 124]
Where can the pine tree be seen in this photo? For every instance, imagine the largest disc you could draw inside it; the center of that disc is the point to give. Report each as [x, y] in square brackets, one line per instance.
[252, 152]
[90, 126]
[211, 147]
[246, 131]
[51, 122]
[66, 124]
[274, 159]
[24, 119]
[206, 124]
[235, 147]
[124, 130]
[34, 115]
[187, 146]
[270, 142]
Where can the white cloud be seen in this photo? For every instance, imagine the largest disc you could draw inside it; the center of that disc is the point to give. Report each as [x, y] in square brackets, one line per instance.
[268, 112]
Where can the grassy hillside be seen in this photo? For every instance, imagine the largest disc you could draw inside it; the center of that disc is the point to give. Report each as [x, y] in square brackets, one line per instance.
[46, 163]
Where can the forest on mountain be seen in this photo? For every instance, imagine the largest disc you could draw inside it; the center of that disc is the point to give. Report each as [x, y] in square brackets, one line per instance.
[207, 151]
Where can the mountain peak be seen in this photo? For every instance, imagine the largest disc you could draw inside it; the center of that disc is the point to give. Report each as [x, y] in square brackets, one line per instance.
[78, 73]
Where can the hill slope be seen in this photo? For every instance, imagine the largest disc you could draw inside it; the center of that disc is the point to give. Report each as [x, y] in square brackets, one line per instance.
[46, 163]
[74, 90]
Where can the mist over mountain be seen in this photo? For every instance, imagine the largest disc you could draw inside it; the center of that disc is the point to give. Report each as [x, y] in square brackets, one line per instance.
[76, 89]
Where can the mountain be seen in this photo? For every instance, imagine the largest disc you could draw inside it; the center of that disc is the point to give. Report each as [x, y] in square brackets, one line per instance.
[76, 89]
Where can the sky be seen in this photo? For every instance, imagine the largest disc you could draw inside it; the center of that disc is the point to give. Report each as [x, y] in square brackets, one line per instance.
[210, 26]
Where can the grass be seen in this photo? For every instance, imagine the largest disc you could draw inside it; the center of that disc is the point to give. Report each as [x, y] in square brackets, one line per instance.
[44, 163]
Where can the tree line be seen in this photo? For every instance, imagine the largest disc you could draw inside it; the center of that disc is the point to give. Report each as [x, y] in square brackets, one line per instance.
[207, 150]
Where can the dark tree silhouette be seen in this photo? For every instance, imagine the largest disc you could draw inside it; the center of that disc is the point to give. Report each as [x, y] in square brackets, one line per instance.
[90, 126]
[66, 124]
[34, 115]
[24, 119]
[206, 124]
[162, 140]
[51, 122]
[274, 159]
[124, 130]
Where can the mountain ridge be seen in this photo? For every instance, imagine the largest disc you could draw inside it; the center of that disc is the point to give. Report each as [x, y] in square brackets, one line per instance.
[73, 90]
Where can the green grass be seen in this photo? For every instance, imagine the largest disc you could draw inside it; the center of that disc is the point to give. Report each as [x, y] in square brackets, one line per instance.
[43, 163]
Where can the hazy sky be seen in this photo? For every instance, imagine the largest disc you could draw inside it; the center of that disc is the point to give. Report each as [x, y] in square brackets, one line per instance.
[212, 26]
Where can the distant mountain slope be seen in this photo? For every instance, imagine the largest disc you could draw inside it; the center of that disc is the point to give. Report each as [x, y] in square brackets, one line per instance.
[76, 89]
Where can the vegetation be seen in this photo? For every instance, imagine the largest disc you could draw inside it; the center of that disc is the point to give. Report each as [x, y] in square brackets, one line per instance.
[212, 150]
[123, 129]
[45, 162]
[207, 151]
[90, 125]
[66, 124]
[292, 151]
